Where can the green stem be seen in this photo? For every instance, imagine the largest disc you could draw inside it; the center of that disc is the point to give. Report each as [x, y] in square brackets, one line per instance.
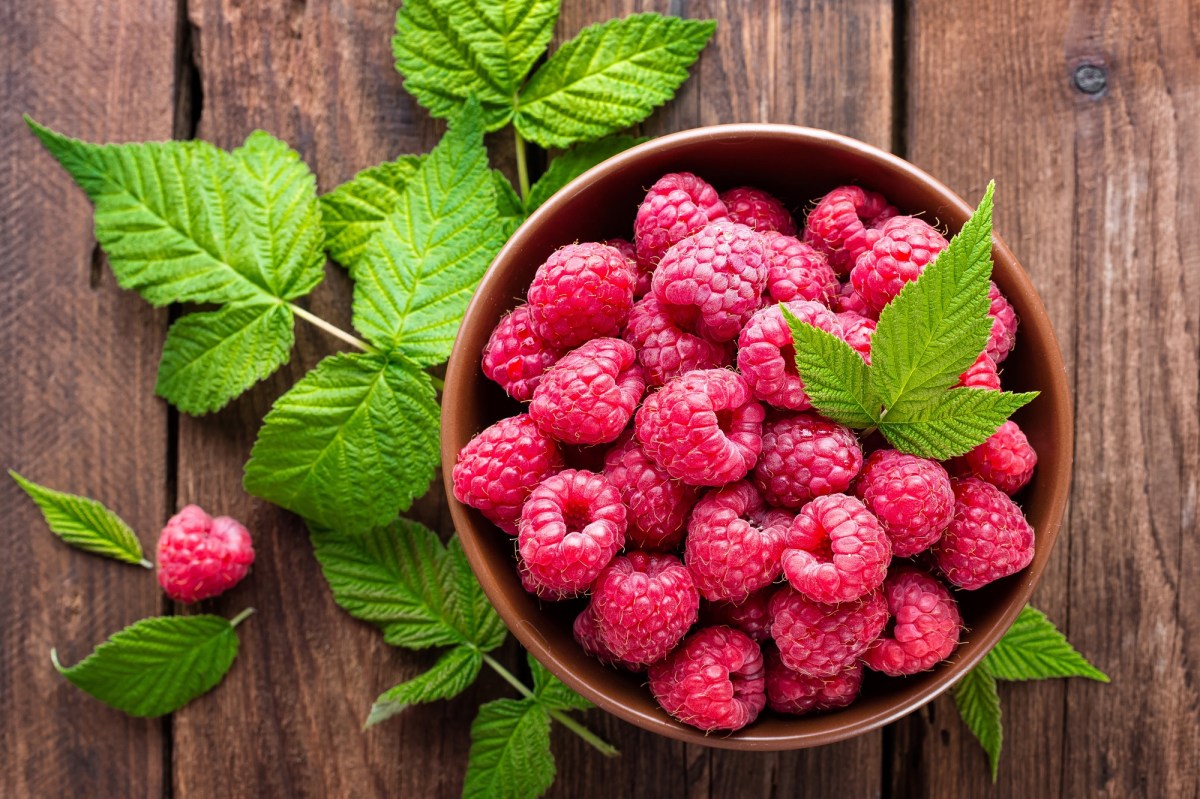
[241, 617]
[508, 676]
[522, 167]
[332, 330]
[438, 382]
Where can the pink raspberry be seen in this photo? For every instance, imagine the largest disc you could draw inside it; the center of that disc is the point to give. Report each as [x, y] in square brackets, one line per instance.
[836, 550]
[899, 251]
[658, 504]
[791, 692]
[1004, 325]
[838, 225]
[758, 210]
[751, 615]
[643, 274]
[702, 427]
[644, 604]
[1005, 460]
[498, 468]
[857, 331]
[532, 586]
[910, 496]
[664, 349]
[571, 526]
[795, 271]
[677, 206]
[516, 356]
[981, 374]
[819, 640]
[590, 394]
[925, 625]
[200, 557]
[767, 358]
[733, 543]
[712, 281]
[581, 292]
[988, 538]
[587, 635]
[804, 456]
[849, 300]
[713, 682]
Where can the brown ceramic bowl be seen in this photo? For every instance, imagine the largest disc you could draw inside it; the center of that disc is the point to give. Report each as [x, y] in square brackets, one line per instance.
[797, 165]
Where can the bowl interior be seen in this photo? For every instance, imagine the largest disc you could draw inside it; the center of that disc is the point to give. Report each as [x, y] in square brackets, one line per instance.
[798, 165]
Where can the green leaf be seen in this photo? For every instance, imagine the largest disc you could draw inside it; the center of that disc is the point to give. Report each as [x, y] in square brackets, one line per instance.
[979, 705]
[1034, 649]
[448, 50]
[421, 269]
[211, 357]
[450, 676]
[508, 204]
[609, 77]
[510, 751]
[351, 443]
[157, 665]
[480, 621]
[551, 691]
[353, 212]
[575, 162]
[835, 377]
[84, 523]
[953, 424]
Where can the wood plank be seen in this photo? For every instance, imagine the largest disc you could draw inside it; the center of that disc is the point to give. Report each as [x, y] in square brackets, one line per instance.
[76, 389]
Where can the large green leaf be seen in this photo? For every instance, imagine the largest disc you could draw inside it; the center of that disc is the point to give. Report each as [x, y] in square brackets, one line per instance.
[84, 523]
[836, 378]
[452, 674]
[354, 211]
[510, 751]
[551, 691]
[952, 424]
[979, 705]
[1034, 649]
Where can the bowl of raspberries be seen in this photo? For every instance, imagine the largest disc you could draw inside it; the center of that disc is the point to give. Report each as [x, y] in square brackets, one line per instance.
[654, 504]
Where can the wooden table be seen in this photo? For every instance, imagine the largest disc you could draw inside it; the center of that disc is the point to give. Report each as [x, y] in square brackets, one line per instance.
[1089, 119]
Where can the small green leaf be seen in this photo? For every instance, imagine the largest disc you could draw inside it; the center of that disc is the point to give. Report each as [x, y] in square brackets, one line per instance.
[609, 77]
[450, 676]
[481, 623]
[510, 751]
[953, 424]
[157, 665]
[84, 523]
[835, 377]
[551, 691]
[979, 705]
[575, 162]
[353, 212]
[508, 204]
[1034, 649]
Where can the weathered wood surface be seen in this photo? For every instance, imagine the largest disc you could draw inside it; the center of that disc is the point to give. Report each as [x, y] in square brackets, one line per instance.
[1097, 200]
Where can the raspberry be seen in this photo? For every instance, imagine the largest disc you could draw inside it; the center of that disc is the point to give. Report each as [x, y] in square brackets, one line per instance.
[713, 682]
[758, 210]
[587, 635]
[676, 206]
[702, 427]
[571, 526]
[981, 374]
[1005, 460]
[820, 640]
[795, 271]
[751, 615]
[644, 604]
[1004, 325]
[733, 543]
[805, 456]
[792, 692]
[626, 248]
[899, 251]
[581, 292]
[857, 331]
[988, 538]
[767, 359]
[712, 281]
[516, 356]
[201, 557]
[498, 468]
[838, 225]
[658, 504]
[924, 629]
[910, 496]
[532, 586]
[663, 349]
[847, 299]
[836, 550]
[590, 394]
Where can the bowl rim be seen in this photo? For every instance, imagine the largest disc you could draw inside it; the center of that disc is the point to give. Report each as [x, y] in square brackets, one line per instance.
[461, 365]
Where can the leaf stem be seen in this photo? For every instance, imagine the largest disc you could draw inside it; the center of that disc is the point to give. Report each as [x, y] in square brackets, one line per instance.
[332, 330]
[438, 382]
[145, 564]
[241, 617]
[522, 167]
[508, 676]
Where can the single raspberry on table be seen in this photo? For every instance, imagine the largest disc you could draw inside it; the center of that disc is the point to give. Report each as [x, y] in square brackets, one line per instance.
[791, 692]
[658, 503]
[712, 281]
[751, 615]
[910, 496]
[677, 205]
[532, 586]
[835, 550]
[1005, 459]
[702, 427]
[838, 225]
[714, 681]
[819, 640]
[642, 273]
[498, 468]
[587, 635]
[200, 557]
[590, 394]
[857, 331]
[767, 357]
[804, 456]
[664, 349]
[899, 251]
[849, 300]
[981, 374]
[571, 526]
[758, 210]
[1004, 325]
[516, 356]
[925, 625]
[644, 603]
[795, 271]
[581, 292]
[733, 543]
[987, 539]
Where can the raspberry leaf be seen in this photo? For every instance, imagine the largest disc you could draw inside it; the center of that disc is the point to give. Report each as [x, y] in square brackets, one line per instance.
[551, 692]
[353, 212]
[508, 204]
[453, 673]
[480, 621]
[84, 523]
[609, 77]
[575, 162]
[1034, 649]
[953, 424]
[979, 705]
[510, 751]
[836, 379]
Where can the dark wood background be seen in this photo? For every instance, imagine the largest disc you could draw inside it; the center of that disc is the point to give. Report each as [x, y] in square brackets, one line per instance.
[1100, 200]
